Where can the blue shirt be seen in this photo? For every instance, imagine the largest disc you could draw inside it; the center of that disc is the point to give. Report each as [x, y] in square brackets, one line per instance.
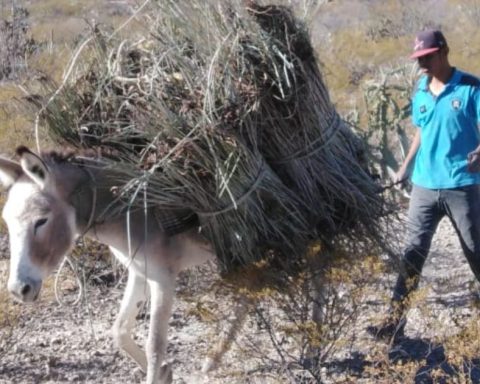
[448, 126]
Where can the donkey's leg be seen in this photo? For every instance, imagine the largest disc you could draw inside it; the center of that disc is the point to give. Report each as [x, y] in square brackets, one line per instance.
[162, 293]
[133, 298]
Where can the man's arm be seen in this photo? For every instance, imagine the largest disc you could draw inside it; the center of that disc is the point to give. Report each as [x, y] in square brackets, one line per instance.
[474, 160]
[402, 172]
[474, 156]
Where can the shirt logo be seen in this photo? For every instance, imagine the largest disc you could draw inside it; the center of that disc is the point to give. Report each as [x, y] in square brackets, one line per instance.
[456, 104]
[423, 109]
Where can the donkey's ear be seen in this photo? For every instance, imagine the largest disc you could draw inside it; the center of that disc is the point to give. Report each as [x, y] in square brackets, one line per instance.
[10, 171]
[33, 166]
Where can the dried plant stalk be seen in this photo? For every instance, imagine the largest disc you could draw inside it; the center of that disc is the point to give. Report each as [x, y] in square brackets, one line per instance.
[221, 109]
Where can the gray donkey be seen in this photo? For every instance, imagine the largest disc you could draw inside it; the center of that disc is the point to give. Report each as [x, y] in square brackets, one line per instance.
[52, 200]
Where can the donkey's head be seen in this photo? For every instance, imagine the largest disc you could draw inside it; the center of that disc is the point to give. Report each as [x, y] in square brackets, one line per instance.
[41, 223]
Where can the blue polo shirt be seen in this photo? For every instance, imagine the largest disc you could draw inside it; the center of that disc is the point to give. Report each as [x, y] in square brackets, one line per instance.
[449, 130]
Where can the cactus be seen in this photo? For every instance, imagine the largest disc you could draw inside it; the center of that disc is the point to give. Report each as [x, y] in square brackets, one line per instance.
[388, 130]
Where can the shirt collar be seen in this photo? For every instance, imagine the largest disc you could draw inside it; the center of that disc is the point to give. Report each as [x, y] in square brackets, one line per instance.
[454, 80]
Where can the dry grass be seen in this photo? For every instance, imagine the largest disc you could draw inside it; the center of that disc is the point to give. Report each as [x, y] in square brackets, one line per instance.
[8, 310]
[15, 127]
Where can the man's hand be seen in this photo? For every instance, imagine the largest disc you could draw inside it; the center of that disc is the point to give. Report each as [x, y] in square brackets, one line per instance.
[401, 175]
[474, 161]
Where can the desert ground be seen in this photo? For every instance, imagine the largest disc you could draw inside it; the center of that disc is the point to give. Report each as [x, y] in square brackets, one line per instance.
[50, 342]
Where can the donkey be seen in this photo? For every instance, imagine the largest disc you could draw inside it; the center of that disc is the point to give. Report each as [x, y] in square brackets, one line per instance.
[52, 200]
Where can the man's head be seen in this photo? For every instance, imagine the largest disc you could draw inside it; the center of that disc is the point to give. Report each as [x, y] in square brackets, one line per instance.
[431, 51]
[427, 42]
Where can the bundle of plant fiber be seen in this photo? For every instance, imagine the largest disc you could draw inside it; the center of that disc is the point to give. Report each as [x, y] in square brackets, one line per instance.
[219, 108]
[305, 141]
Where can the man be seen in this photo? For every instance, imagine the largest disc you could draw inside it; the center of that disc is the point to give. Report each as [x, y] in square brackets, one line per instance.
[445, 155]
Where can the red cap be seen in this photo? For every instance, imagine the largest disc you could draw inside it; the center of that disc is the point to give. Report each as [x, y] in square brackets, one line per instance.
[428, 42]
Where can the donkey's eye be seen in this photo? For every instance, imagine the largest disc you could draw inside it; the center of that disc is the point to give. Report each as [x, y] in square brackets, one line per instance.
[38, 224]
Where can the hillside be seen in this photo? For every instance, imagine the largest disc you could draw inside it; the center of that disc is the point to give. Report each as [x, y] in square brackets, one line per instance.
[355, 40]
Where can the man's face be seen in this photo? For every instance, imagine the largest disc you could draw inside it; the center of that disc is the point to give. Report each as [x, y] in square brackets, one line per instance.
[433, 63]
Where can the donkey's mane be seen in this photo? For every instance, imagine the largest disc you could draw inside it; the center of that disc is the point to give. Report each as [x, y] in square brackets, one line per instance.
[56, 156]
[68, 155]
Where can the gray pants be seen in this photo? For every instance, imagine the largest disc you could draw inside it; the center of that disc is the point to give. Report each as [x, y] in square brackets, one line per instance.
[427, 208]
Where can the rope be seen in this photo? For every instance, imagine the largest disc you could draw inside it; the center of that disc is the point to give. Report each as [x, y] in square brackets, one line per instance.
[234, 204]
[394, 184]
[79, 282]
[334, 125]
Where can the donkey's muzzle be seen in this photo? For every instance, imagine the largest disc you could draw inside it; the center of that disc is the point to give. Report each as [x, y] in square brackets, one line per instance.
[25, 290]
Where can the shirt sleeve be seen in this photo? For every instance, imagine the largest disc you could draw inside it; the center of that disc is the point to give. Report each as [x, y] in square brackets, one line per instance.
[415, 110]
